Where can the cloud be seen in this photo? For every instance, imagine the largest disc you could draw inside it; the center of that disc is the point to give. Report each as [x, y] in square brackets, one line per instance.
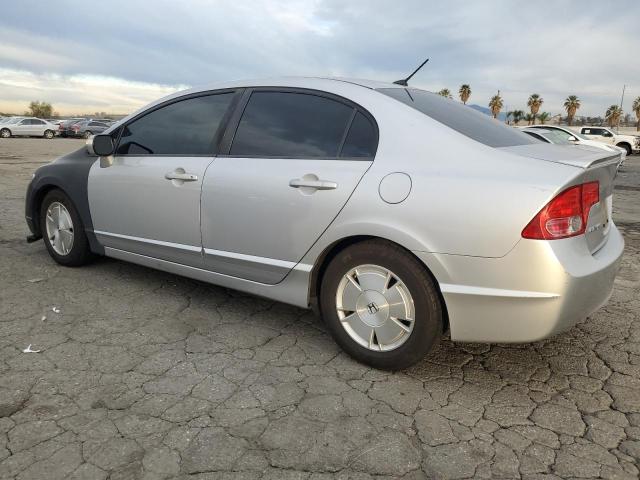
[587, 48]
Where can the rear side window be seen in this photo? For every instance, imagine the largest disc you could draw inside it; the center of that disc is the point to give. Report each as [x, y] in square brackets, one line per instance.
[186, 127]
[459, 117]
[286, 124]
[362, 138]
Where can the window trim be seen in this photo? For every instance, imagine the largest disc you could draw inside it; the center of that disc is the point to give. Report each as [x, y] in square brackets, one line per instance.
[214, 147]
[234, 123]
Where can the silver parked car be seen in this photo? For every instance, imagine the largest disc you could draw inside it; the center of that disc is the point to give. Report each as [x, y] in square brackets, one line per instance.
[398, 213]
[28, 127]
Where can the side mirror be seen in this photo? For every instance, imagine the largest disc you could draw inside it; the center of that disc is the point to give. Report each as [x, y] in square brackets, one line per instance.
[103, 145]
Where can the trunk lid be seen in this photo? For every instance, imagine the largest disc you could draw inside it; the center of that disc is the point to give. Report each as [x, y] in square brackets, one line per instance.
[595, 165]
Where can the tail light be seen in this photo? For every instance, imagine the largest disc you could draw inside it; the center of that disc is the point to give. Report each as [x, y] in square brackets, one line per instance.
[566, 215]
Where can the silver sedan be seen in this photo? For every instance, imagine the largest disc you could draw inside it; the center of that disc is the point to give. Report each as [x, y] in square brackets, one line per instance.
[396, 213]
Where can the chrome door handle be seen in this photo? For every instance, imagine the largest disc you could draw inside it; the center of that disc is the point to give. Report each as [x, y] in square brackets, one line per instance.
[185, 177]
[317, 184]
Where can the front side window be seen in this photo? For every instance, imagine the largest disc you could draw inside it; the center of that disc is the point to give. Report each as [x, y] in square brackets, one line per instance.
[459, 117]
[186, 127]
[286, 124]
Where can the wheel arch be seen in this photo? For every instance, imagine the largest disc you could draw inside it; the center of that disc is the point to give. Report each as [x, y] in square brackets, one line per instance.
[626, 145]
[337, 246]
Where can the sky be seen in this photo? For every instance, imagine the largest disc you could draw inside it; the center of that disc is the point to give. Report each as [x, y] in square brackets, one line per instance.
[116, 56]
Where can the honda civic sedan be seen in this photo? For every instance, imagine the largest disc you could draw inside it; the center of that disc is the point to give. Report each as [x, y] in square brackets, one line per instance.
[398, 214]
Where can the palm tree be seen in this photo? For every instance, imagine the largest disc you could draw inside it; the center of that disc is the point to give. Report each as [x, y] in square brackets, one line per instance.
[465, 93]
[636, 109]
[496, 104]
[534, 103]
[613, 114]
[529, 118]
[544, 116]
[571, 104]
[445, 93]
[517, 116]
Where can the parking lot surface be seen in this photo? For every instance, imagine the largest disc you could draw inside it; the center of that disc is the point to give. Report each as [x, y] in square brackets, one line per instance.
[143, 374]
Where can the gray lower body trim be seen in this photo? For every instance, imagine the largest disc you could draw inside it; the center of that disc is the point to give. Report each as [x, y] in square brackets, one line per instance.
[294, 289]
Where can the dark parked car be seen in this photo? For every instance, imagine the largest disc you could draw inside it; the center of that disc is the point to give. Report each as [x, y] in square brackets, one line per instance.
[65, 125]
[85, 128]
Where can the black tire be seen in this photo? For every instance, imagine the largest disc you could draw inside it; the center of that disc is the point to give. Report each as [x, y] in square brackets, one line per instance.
[87, 134]
[80, 253]
[48, 134]
[627, 147]
[428, 323]
[5, 133]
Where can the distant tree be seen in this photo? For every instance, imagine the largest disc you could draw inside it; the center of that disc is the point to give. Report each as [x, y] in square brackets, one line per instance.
[465, 93]
[529, 118]
[571, 105]
[496, 104]
[40, 109]
[517, 116]
[508, 117]
[613, 114]
[544, 116]
[445, 93]
[636, 109]
[534, 103]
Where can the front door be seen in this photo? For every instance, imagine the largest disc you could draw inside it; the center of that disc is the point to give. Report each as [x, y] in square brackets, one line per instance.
[294, 161]
[145, 199]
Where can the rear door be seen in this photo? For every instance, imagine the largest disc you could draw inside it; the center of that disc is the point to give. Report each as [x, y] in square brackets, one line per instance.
[146, 200]
[292, 159]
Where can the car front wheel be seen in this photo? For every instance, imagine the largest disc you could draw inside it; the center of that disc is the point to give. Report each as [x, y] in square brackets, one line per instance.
[62, 230]
[381, 305]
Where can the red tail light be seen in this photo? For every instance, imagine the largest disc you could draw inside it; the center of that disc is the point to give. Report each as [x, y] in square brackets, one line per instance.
[566, 215]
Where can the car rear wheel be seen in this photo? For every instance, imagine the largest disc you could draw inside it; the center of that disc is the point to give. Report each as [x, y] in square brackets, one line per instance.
[5, 133]
[381, 305]
[63, 231]
[87, 134]
[48, 134]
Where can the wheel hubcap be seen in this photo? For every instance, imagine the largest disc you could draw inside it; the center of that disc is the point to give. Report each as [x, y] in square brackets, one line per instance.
[375, 307]
[59, 228]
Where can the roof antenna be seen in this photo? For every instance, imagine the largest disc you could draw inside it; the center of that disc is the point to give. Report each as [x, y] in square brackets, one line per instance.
[404, 82]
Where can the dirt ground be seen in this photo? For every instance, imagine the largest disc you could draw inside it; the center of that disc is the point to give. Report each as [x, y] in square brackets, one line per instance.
[143, 374]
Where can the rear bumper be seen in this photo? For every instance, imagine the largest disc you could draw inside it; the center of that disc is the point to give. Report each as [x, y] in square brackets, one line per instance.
[537, 290]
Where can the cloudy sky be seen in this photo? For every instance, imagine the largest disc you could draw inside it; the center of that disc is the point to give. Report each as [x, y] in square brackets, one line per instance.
[116, 56]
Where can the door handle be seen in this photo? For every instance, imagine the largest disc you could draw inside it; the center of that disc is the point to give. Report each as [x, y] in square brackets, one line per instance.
[185, 177]
[316, 184]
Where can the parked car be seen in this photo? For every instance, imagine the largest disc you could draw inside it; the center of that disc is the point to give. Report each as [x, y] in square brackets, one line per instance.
[563, 136]
[631, 143]
[65, 125]
[547, 136]
[86, 128]
[395, 212]
[28, 127]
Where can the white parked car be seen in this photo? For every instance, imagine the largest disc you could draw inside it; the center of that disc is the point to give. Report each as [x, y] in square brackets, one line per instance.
[28, 127]
[559, 135]
[631, 143]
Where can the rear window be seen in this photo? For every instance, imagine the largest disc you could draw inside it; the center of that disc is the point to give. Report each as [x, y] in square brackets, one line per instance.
[461, 118]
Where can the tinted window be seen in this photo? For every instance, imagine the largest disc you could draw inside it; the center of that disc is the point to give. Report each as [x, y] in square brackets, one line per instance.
[37, 122]
[186, 127]
[278, 124]
[463, 119]
[537, 137]
[361, 140]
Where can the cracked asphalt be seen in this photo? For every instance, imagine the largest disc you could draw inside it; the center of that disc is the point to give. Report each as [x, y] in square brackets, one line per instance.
[148, 375]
